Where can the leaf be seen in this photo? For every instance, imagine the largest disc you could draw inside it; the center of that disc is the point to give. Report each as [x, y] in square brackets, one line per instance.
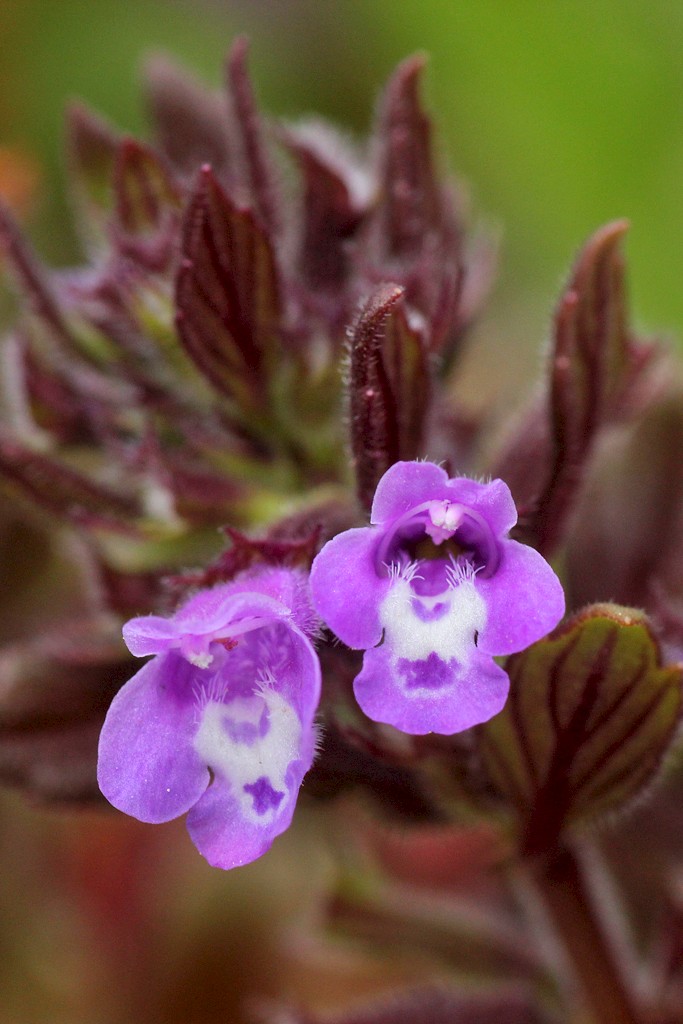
[330, 211]
[245, 552]
[598, 373]
[32, 281]
[634, 490]
[228, 295]
[190, 122]
[405, 361]
[257, 170]
[58, 488]
[388, 389]
[416, 233]
[590, 357]
[411, 202]
[145, 192]
[591, 714]
[91, 153]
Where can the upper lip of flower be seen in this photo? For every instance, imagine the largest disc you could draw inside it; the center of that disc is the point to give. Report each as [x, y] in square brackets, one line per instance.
[441, 519]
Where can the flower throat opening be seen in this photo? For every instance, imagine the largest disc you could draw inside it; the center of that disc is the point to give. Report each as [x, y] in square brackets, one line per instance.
[439, 531]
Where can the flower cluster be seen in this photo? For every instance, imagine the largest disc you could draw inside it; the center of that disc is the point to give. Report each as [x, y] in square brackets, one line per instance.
[220, 722]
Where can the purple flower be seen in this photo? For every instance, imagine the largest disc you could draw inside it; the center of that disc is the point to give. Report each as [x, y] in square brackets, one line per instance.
[220, 722]
[432, 590]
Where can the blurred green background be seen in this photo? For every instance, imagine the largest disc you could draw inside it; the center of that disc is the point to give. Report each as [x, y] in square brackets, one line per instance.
[560, 115]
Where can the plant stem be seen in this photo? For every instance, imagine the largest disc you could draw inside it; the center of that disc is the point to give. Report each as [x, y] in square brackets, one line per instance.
[568, 902]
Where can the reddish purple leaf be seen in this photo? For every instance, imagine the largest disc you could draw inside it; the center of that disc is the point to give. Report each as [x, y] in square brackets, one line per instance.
[626, 541]
[32, 281]
[415, 233]
[91, 151]
[597, 374]
[245, 552]
[191, 123]
[228, 295]
[58, 488]
[54, 694]
[145, 192]
[258, 171]
[330, 212]
[411, 202]
[388, 389]
[588, 370]
[428, 1005]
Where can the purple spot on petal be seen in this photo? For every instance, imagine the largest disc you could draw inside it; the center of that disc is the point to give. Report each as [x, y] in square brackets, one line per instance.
[264, 796]
[428, 614]
[430, 673]
[246, 732]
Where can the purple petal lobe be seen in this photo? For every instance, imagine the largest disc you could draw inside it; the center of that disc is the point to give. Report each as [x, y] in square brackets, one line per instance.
[430, 695]
[264, 796]
[225, 837]
[256, 778]
[492, 501]
[525, 600]
[347, 589]
[147, 766]
[405, 485]
[149, 634]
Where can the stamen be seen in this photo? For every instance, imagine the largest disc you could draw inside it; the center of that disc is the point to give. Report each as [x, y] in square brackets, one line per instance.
[406, 572]
[460, 571]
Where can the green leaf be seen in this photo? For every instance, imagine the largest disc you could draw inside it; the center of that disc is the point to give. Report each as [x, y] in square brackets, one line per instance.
[591, 714]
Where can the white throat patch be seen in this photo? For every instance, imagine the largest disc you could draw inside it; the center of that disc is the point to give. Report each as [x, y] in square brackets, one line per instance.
[449, 634]
[229, 741]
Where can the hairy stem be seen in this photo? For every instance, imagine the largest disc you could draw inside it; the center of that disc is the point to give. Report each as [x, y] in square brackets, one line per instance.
[570, 907]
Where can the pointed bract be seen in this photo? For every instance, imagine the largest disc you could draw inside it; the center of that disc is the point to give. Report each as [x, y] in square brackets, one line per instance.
[191, 124]
[330, 211]
[411, 199]
[389, 389]
[258, 171]
[91, 153]
[227, 294]
[593, 376]
[144, 190]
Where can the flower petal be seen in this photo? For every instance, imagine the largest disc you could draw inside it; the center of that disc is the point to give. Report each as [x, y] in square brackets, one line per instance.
[149, 634]
[227, 838]
[346, 588]
[430, 695]
[524, 599]
[405, 485]
[147, 766]
[493, 501]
